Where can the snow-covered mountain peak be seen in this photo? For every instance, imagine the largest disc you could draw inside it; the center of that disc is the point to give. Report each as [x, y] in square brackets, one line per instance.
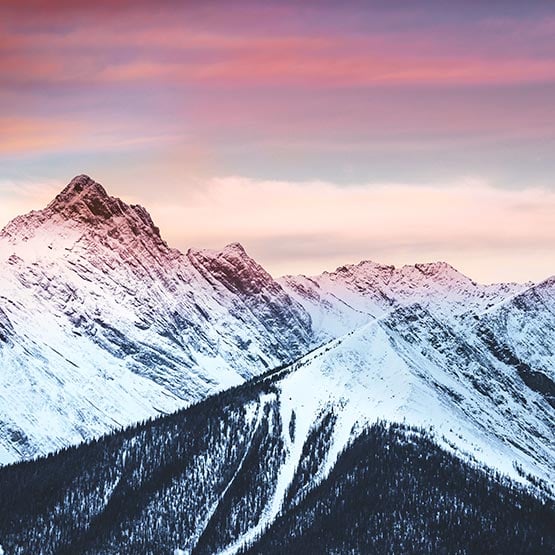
[235, 248]
[85, 200]
[369, 272]
[229, 251]
[84, 222]
[116, 326]
[83, 205]
[398, 283]
[441, 270]
[361, 274]
[363, 267]
[432, 276]
[547, 284]
[357, 293]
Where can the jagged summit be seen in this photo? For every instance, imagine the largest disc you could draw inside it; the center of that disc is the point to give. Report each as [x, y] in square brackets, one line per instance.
[440, 272]
[80, 186]
[548, 283]
[235, 247]
[232, 264]
[86, 204]
[433, 267]
[370, 273]
[86, 200]
[231, 249]
[364, 266]
[84, 197]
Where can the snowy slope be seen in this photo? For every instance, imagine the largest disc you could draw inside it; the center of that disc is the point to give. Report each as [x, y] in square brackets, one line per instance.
[341, 301]
[526, 324]
[411, 369]
[226, 475]
[102, 324]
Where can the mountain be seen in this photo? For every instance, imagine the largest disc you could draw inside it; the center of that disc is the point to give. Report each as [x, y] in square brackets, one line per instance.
[102, 324]
[474, 362]
[355, 293]
[521, 331]
[370, 409]
[275, 466]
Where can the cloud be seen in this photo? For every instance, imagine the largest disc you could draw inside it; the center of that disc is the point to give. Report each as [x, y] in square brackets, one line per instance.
[493, 234]
[32, 135]
[25, 134]
[261, 44]
[297, 77]
[179, 55]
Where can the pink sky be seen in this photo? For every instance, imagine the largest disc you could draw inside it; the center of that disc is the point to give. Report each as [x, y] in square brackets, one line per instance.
[394, 112]
[309, 227]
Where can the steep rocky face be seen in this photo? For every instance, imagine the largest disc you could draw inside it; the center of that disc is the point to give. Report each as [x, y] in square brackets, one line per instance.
[527, 323]
[502, 419]
[108, 325]
[84, 225]
[6, 329]
[521, 332]
[85, 201]
[232, 270]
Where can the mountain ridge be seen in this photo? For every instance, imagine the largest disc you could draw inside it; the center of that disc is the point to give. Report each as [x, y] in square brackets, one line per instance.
[96, 309]
[370, 396]
[113, 291]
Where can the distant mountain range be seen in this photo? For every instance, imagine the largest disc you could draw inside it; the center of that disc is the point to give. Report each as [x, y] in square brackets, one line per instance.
[102, 325]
